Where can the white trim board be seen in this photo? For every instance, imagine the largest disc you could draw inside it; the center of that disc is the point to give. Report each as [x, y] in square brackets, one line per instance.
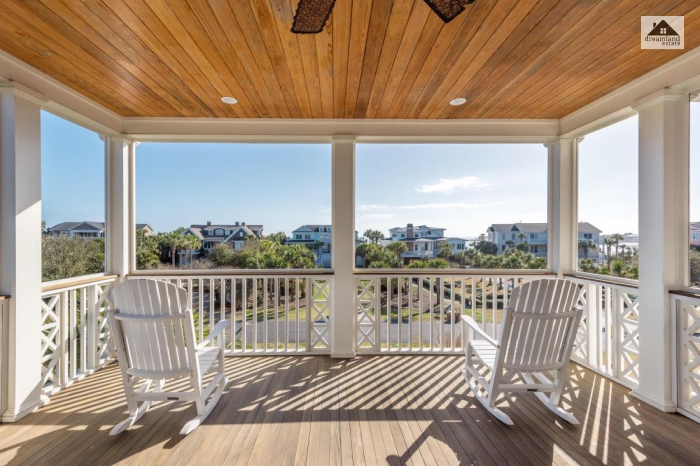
[152, 129]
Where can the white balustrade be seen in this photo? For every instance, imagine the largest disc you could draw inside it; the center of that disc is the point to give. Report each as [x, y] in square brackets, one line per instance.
[411, 312]
[608, 337]
[686, 309]
[74, 332]
[269, 314]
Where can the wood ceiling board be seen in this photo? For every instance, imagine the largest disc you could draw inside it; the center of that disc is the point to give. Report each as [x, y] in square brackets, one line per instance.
[375, 59]
[611, 56]
[571, 63]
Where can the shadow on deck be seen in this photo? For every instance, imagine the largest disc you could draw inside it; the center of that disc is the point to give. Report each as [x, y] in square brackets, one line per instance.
[370, 410]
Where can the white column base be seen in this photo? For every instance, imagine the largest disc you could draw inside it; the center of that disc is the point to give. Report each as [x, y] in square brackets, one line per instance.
[666, 406]
[343, 354]
[27, 408]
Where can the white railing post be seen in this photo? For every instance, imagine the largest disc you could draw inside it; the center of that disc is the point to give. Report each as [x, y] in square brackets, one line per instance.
[562, 247]
[592, 324]
[344, 299]
[662, 229]
[20, 243]
[63, 355]
[92, 328]
[118, 172]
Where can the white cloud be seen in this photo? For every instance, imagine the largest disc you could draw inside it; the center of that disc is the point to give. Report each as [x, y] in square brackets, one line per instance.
[447, 186]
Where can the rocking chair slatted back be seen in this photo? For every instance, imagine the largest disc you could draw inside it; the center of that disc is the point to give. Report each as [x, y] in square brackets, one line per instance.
[539, 323]
[153, 344]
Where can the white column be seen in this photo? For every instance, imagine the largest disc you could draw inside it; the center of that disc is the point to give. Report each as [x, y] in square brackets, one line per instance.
[562, 247]
[662, 228]
[344, 311]
[119, 229]
[20, 247]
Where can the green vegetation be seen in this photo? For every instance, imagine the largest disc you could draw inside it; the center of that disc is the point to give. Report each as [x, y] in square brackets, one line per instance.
[621, 261]
[64, 257]
[694, 266]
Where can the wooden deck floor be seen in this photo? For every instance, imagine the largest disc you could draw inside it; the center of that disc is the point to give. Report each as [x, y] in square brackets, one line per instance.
[370, 410]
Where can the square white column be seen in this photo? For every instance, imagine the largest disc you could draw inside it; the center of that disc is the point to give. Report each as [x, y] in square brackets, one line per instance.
[344, 310]
[562, 244]
[120, 234]
[20, 247]
[662, 229]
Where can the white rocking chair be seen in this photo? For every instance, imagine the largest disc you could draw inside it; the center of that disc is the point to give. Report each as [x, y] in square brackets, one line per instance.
[154, 336]
[536, 340]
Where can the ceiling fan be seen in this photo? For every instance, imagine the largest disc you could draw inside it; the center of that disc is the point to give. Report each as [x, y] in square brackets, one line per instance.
[311, 15]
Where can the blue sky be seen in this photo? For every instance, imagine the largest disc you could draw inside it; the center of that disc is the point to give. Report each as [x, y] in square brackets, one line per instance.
[608, 178]
[463, 188]
[695, 161]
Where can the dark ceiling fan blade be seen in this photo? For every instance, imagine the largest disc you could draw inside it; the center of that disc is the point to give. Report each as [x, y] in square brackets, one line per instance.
[448, 10]
[311, 16]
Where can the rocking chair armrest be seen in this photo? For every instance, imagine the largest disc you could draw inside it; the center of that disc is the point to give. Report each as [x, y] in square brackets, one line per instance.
[215, 333]
[469, 322]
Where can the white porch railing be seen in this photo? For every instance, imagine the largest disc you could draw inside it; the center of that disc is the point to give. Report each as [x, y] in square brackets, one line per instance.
[608, 337]
[269, 314]
[74, 332]
[412, 312]
[686, 309]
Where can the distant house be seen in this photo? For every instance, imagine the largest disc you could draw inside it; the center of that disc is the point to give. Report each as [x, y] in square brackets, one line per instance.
[234, 235]
[319, 238]
[88, 229]
[694, 234]
[423, 242]
[506, 235]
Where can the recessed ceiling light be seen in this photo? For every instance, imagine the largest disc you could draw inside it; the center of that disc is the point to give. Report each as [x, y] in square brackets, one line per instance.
[229, 100]
[458, 101]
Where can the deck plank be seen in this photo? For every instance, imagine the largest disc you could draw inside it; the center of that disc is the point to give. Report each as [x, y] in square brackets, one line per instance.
[371, 410]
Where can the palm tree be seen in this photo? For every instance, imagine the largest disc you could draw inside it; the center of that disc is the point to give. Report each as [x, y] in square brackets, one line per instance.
[374, 236]
[521, 237]
[617, 237]
[191, 243]
[585, 245]
[609, 243]
[397, 247]
[510, 244]
[445, 250]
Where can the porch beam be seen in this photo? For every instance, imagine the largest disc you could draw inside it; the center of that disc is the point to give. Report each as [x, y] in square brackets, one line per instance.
[662, 177]
[343, 311]
[20, 248]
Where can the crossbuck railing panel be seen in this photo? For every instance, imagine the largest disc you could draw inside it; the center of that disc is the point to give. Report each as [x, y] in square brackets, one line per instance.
[415, 312]
[75, 336]
[687, 311]
[268, 313]
[608, 336]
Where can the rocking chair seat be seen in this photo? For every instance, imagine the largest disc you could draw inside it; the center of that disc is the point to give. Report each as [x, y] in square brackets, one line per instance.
[484, 351]
[208, 357]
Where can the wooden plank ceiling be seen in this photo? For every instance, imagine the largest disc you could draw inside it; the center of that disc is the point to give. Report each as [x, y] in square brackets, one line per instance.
[375, 59]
